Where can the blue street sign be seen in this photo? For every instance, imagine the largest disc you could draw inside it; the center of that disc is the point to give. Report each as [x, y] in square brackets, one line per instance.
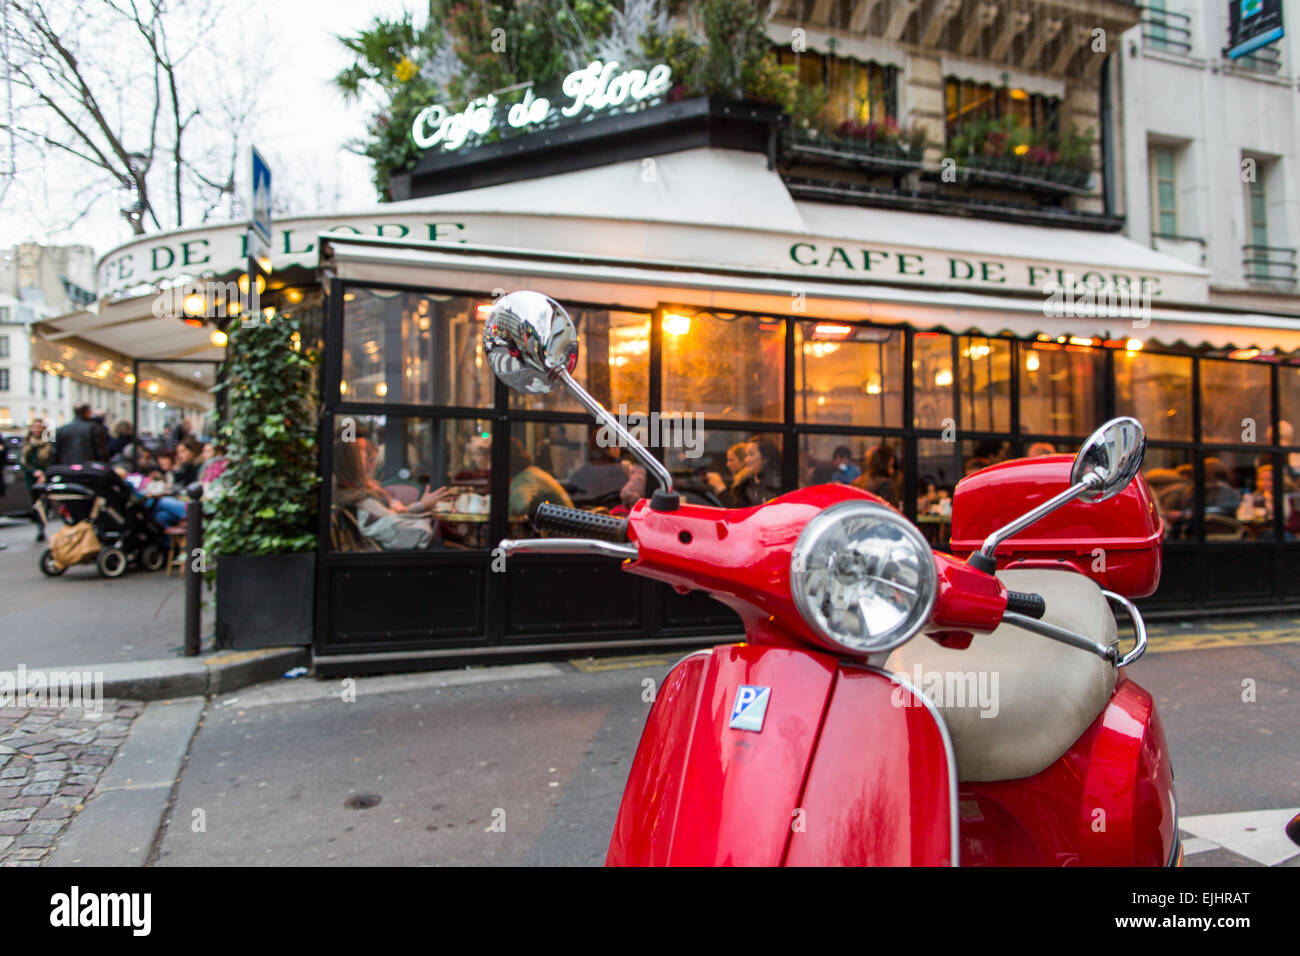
[260, 207]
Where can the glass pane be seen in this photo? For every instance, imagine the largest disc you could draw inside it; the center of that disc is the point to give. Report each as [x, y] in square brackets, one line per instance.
[1235, 402]
[1237, 505]
[613, 363]
[848, 375]
[866, 461]
[1168, 224]
[985, 384]
[932, 379]
[413, 348]
[1288, 380]
[1061, 389]
[408, 484]
[723, 366]
[1157, 391]
[977, 455]
[1165, 163]
[1167, 197]
[1169, 473]
[733, 468]
[937, 471]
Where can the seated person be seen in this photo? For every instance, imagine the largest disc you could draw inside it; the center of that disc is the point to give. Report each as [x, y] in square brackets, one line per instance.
[530, 485]
[601, 478]
[381, 517]
[166, 510]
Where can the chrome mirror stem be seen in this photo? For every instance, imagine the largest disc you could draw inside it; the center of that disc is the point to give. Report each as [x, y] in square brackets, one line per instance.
[1091, 482]
[598, 411]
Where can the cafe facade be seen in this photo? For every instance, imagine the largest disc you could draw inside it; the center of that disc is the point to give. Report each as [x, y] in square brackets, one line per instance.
[721, 305]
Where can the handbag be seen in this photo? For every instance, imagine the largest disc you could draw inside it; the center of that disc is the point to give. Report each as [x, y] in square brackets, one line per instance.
[394, 531]
[74, 544]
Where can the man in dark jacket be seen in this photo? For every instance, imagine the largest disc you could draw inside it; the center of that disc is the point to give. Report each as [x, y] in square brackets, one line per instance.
[82, 439]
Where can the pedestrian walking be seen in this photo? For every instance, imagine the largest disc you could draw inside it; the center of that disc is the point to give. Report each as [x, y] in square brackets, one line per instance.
[82, 439]
[37, 455]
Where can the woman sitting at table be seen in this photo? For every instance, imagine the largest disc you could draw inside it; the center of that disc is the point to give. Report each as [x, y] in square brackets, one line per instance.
[166, 510]
[381, 517]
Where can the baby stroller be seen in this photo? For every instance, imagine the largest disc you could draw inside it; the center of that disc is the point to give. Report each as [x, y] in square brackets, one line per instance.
[92, 492]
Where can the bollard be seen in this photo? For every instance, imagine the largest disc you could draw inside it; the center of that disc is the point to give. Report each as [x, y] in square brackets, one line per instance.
[193, 576]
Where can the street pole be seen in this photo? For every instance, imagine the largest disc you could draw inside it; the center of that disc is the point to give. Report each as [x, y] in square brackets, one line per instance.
[193, 572]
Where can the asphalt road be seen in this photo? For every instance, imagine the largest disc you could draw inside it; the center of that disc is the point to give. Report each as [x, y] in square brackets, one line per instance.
[549, 747]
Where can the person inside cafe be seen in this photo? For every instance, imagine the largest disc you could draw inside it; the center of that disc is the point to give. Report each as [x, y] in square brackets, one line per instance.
[599, 481]
[530, 485]
[1040, 449]
[845, 471]
[879, 479]
[381, 518]
[735, 465]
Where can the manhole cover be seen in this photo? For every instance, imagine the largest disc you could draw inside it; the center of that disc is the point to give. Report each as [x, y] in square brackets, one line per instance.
[362, 801]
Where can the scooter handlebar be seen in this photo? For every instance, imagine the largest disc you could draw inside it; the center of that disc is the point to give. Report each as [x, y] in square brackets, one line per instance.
[1028, 604]
[576, 523]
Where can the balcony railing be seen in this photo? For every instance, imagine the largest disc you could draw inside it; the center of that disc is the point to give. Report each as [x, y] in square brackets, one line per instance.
[1166, 30]
[1269, 263]
[1266, 59]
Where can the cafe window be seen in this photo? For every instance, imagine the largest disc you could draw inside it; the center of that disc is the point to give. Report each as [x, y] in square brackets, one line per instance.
[1235, 402]
[1061, 389]
[1156, 390]
[1169, 474]
[613, 363]
[967, 101]
[848, 375]
[856, 92]
[932, 380]
[723, 365]
[409, 484]
[1238, 496]
[414, 348]
[1288, 395]
[985, 384]
[872, 462]
[938, 469]
[730, 467]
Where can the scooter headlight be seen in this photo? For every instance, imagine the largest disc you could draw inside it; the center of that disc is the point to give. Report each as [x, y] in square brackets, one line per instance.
[863, 577]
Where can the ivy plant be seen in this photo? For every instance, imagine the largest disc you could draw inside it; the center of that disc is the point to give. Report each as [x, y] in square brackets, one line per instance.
[268, 504]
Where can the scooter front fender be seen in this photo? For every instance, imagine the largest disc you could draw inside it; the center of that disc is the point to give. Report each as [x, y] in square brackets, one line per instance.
[850, 767]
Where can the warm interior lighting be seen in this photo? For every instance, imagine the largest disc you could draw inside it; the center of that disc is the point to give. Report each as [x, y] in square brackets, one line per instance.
[218, 338]
[833, 331]
[676, 324]
[381, 389]
[243, 284]
[1078, 340]
[943, 378]
[1018, 94]
[293, 295]
[130, 379]
[821, 399]
[1243, 353]
[343, 387]
[1022, 149]
[1031, 361]
[820, 349]
[873, 386]
[264, 263]
[194, 304]
[1044, 337]
[152, 388]
[977, 351]
[1133, 345]
[268, 313]
[483, 311]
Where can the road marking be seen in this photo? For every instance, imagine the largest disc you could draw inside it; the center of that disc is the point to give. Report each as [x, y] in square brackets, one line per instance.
[1196, 845]
[589, 665]
[1258, 835]
[1204, 641]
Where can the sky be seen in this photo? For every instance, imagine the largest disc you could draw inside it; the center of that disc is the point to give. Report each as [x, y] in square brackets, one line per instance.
[301, 129]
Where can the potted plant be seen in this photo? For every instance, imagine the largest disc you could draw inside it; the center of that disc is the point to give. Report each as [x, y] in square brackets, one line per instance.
[262, 532]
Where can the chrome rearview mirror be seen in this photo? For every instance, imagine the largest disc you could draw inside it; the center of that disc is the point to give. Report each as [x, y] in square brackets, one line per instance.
[530, 340]
[1109, 459]
[1105, 465]
[532, 346]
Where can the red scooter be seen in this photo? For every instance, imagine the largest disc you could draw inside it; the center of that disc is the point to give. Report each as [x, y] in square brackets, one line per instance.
[890, 705]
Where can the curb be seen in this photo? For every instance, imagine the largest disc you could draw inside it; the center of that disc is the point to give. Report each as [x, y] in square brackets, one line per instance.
[216, 673]
[118, 825]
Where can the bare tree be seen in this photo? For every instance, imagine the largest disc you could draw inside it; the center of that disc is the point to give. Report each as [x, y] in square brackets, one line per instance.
[119, 85]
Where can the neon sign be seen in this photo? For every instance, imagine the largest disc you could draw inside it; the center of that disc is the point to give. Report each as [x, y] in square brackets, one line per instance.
[596, 87]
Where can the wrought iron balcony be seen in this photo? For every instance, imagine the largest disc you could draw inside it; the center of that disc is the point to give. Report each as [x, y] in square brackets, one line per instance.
[1166, 30]
[1269, 264]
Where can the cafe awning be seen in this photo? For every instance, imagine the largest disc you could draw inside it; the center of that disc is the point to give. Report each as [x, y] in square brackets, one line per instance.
[649, 284]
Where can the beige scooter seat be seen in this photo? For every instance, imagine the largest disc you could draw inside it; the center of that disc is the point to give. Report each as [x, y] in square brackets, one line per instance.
[1031, 697]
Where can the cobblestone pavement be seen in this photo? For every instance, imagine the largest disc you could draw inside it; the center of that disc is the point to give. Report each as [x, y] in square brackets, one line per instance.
[50, 760]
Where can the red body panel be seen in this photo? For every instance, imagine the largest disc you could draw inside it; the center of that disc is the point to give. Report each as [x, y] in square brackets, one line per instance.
[1125, 532]
[1108, 801]
[837, 741]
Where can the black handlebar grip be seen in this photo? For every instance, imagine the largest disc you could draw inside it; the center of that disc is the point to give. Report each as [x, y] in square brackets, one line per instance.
[579, 524]
[1030, 605]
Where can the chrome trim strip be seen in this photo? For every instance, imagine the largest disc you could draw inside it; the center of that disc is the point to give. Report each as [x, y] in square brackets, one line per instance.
[607, 549]
[1023, 621]
[1139, 628]
[947, 747]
